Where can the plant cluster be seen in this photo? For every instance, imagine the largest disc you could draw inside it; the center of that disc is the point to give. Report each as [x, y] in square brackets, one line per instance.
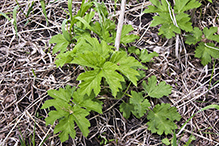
[174, 20]
[88, 42]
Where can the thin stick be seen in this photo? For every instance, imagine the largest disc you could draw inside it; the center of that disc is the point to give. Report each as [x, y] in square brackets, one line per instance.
[119, 27]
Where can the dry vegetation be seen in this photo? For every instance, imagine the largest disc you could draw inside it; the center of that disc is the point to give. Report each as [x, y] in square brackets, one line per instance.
[22, 93]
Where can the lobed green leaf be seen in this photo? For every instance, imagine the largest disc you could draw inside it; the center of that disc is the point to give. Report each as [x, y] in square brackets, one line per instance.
[67, 124]
[61, 43]
[67, 128]
[71, 107]
[60, 97]
[126, 109]
[161, 119]
[125, 65]
[113, 78]
[164, 18]
[156, 91]
[205, 53]
[90, 59]
[183, 22]
[139, 103]
[145, 57]
[209, 33]
[87, 102]
[125, 38]
[195, 37]
[184, 5]
[158, 7]
[90, 81]
[64, 58]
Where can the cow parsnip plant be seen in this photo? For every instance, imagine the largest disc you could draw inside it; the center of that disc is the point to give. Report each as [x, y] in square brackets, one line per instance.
[89, 43]
[174, 19]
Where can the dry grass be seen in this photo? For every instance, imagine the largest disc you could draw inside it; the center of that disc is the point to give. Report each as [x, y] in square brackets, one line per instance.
[22, 93]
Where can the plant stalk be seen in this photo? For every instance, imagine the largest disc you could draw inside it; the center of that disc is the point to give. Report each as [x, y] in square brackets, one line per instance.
[120, 24]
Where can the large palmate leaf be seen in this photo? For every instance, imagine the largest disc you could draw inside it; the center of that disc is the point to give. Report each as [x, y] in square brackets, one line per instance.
[112, 77]
[154, 90]
[91, 79]
[89, 59]
[161, 119]
[66, 125]
[60, 99]
[119, 61]
[125, 65]
[102, 48]
[84, 44]
[71, 107]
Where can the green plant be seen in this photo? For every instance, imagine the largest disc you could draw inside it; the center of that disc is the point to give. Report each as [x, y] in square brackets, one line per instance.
[42, 2]
[32, 138]
[162, 117]
[71, 107]
[191, 138]
[137, 104]
[89, 43]
[14, 20]
[207, 49]
[18, 7]
[28, 11]
[174, 19]
[104, 140]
